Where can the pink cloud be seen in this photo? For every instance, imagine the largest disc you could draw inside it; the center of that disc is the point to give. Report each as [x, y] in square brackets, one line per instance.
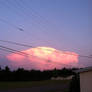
[44, 58]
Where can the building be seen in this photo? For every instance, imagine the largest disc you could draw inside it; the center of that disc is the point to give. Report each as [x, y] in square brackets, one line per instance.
[85, 79]
[62, 78]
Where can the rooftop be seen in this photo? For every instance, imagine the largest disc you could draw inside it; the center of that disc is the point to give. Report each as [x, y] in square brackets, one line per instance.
[84, 70]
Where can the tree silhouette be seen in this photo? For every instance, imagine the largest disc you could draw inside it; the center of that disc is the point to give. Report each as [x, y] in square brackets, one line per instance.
[32, 75]
[7, 69]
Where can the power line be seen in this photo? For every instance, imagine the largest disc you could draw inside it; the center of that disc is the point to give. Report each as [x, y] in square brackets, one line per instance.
[18, 52]
[33, 12]
[17, 7]
[25, 45]
[36, 57]
[26, 55]
[13, 50]
[8, 22]
[20, 44]
[22, 13]
[8, 5]
[11, 24]
[7, 50]
[20, 4]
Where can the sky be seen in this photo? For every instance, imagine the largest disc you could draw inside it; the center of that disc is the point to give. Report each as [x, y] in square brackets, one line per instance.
[61, 24]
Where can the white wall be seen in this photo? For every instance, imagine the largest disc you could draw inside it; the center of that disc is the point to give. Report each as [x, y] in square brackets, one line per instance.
[86, 81]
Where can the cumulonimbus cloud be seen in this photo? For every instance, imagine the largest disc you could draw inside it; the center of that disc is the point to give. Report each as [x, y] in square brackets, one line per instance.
[44, 58]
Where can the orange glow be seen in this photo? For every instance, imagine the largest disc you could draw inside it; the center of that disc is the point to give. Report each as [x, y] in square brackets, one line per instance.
[45, 58]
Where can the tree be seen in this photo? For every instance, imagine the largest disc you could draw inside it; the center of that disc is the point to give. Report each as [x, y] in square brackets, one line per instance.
[7, 69]
[0, 68]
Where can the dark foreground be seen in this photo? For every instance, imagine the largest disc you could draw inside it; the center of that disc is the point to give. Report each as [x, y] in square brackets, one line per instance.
[42, 86]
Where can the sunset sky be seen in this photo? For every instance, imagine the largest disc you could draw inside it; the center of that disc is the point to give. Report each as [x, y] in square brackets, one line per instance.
[63, 25]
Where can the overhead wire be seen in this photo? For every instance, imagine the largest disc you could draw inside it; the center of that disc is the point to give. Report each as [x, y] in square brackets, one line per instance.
[8, 22]
[8, 5]
[13, 50]
[11, 24]
[26, 55]
[26, 45]
[21, 29]
[22, 7]
[18, 7]
[33, 12]
[20, 44]
[5, 48]
[42, 19]
[22, 12]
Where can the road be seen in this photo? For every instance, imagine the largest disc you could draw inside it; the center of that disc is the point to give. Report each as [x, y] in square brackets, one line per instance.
[50, 88]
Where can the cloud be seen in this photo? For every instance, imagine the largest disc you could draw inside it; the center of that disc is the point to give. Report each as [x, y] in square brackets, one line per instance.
[44, 58]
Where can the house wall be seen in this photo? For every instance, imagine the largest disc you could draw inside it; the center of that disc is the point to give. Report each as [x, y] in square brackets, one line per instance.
[86, 81]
